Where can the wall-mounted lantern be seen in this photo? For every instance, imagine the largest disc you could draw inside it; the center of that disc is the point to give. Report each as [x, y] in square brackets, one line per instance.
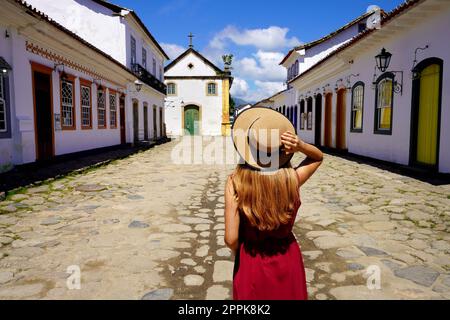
[383, 59]
[138, 85]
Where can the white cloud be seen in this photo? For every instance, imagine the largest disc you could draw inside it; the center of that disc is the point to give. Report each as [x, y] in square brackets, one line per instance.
[172, 50]
[262, 90]
[262, 66]
[257, 72]
[265, 89]
[240, 87]
[269, 86]
[267, 39]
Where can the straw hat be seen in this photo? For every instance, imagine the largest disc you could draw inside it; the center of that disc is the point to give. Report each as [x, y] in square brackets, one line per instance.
[256, 135]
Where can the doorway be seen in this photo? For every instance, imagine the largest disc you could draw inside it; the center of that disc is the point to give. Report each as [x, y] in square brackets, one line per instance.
[135, 121]
[318, 121]
[328, 111]
[161, 123]
[191, 120]
[145, 123]
[155, 126]
[340, 120]
[122, 120]
[426, 114]
[43, 110]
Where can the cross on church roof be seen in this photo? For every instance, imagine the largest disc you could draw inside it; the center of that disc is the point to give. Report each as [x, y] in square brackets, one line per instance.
[190, 36]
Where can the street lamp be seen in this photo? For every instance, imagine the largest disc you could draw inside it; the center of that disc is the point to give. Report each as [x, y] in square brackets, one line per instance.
[383, 59]
[138, 85]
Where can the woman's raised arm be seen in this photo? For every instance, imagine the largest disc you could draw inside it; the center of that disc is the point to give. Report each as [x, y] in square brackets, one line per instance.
[314, 156]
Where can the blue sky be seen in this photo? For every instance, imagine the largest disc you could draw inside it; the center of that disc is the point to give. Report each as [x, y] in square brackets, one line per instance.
[257, 33]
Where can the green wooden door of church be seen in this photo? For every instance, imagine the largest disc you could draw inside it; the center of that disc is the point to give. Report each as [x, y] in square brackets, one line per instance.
[191, 120]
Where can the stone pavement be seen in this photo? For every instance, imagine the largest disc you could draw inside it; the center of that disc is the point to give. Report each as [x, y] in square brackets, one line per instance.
[146, 228]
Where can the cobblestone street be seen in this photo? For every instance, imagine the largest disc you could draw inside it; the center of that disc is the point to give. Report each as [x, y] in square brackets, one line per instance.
[143, 227]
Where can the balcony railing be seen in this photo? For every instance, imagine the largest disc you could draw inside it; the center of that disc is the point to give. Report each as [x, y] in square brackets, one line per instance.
[148, 78]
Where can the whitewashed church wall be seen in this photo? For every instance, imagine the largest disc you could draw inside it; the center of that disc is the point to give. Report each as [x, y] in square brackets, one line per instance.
[199, 69]
[194, 92]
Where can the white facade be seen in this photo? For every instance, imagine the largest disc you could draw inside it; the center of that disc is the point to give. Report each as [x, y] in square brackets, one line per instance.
[305, 56]
[426, 30]
[107, 29]
[406, 30]
[112, 29]
[49, 49]
[190, 75]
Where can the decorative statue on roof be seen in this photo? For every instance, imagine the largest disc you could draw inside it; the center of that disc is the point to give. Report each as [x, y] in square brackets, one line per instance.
[227, 60]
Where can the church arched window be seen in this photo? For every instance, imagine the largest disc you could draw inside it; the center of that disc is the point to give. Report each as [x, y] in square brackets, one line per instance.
[171, 89]
[211, 89]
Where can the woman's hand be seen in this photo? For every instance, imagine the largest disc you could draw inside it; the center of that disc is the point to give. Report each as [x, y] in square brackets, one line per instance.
[292, 143]
[311, 163]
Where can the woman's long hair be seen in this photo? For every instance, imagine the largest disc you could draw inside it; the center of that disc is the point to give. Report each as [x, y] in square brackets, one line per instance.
[267, 199]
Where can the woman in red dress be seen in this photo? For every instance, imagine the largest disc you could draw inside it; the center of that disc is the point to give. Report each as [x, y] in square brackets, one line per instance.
[261, 204]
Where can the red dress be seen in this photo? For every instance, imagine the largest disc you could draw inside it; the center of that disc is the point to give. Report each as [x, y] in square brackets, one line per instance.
[269, 265]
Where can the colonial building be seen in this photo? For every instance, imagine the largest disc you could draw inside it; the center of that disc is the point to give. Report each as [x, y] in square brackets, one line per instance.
[119, 32]
[69, 84]
[380, 93]
[301, 58]
[198, 96]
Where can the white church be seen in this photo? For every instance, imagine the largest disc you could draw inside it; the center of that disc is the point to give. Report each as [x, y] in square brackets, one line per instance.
[198, 96]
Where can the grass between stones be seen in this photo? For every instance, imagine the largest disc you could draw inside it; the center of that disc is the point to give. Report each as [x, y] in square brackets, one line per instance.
[49, 181]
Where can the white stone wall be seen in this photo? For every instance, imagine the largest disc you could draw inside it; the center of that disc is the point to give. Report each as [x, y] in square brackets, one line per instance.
[97, 25]
[194, 92]
[395, 148]
[90, 21]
